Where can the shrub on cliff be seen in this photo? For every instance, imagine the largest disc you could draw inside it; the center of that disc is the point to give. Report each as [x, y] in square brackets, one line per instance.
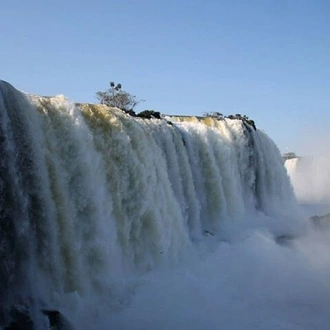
[116, 97]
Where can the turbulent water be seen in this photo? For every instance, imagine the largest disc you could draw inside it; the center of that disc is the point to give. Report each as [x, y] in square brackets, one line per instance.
[95, 204]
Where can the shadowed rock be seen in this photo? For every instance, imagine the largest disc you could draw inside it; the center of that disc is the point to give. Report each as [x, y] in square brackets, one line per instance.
[22, 320]
[322, 222]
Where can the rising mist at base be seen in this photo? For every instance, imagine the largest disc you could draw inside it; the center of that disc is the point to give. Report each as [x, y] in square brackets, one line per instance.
[250, 284]
[125, 223]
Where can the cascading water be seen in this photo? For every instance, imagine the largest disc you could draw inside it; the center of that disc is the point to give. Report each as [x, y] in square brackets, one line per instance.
[90, 195]
[310, 177]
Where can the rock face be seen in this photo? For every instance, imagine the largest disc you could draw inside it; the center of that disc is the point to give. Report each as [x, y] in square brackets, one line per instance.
[322, 222]
[20, 319]
[56, 320]
[284, 239]
[289, 155]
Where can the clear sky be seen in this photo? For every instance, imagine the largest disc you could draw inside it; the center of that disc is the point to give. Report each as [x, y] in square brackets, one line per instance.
[268, 59]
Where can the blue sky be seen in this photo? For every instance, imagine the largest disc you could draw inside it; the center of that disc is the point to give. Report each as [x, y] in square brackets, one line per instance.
[268, 59]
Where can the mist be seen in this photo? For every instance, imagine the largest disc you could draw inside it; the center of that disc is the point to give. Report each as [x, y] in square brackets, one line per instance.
[250, 282]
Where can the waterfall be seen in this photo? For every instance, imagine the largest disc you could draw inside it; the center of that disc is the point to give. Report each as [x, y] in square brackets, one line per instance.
[90, 194]
[310, 177]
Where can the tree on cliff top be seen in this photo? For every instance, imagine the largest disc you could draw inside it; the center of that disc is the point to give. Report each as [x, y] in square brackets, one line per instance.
[116, 97]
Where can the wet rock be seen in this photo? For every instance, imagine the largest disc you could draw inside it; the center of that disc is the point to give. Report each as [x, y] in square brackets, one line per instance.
[20, 319]
[284, 239]
[321, 222]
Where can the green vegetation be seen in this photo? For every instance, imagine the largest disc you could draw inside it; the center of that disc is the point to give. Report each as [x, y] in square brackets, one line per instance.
[215, 115]
[220, 116]
[116, 97]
